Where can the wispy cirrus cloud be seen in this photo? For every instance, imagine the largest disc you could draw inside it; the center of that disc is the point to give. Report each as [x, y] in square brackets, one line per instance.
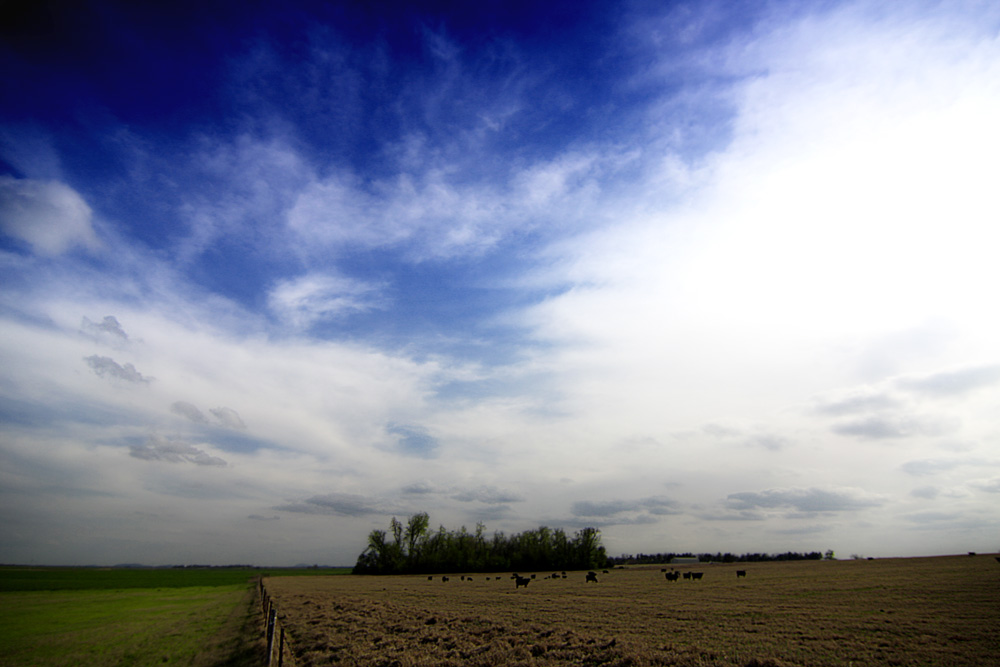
[437, 214]
[303, 301]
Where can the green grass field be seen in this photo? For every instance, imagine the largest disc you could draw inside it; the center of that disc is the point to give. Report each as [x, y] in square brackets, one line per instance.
[168, 626]
[14, 578]
[105, 616]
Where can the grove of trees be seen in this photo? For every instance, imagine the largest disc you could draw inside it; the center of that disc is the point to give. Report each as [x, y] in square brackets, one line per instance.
[412, 548]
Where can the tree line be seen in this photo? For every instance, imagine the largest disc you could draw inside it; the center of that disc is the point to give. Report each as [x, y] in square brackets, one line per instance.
[412, 548]
[662, 558]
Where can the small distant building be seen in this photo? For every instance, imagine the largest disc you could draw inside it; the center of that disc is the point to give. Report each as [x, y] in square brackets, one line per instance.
[684, 560]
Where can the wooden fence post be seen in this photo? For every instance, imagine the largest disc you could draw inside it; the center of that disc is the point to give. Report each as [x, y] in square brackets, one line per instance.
[271, 616]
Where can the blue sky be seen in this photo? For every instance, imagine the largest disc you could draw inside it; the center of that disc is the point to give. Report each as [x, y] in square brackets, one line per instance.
[708, 276]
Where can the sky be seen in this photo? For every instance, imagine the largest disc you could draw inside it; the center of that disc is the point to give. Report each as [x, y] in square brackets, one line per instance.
[708, 276]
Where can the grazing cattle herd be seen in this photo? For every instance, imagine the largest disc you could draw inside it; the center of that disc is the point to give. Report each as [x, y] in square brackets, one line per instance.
[591, 577]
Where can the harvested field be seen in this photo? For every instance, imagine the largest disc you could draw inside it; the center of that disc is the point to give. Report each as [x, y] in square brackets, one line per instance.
[901, 612]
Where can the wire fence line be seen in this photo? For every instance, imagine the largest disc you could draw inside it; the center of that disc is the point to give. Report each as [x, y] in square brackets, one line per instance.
[279, 650]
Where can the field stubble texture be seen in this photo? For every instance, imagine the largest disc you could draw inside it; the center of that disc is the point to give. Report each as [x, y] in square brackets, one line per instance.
[942, 611]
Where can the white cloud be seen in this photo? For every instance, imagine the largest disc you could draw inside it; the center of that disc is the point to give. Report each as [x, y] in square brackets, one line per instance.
[806, 500]
[852, 202]
[303, 301]
[49, 215]
[870, 185]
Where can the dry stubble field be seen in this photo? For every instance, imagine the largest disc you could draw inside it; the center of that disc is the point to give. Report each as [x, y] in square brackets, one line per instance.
[913, 611]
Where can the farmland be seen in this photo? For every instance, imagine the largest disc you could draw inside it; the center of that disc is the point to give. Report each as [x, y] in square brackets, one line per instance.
[901, 612]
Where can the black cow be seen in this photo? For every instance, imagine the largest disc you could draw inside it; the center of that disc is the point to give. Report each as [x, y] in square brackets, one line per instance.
[672, 576]
[687, 575]
[998, 558]
[741, 573]
[521, 581]
[591, 576]
[697, 575]
[444, 578]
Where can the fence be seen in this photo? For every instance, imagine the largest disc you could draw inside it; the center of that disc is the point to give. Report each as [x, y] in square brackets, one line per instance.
[279, 651]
